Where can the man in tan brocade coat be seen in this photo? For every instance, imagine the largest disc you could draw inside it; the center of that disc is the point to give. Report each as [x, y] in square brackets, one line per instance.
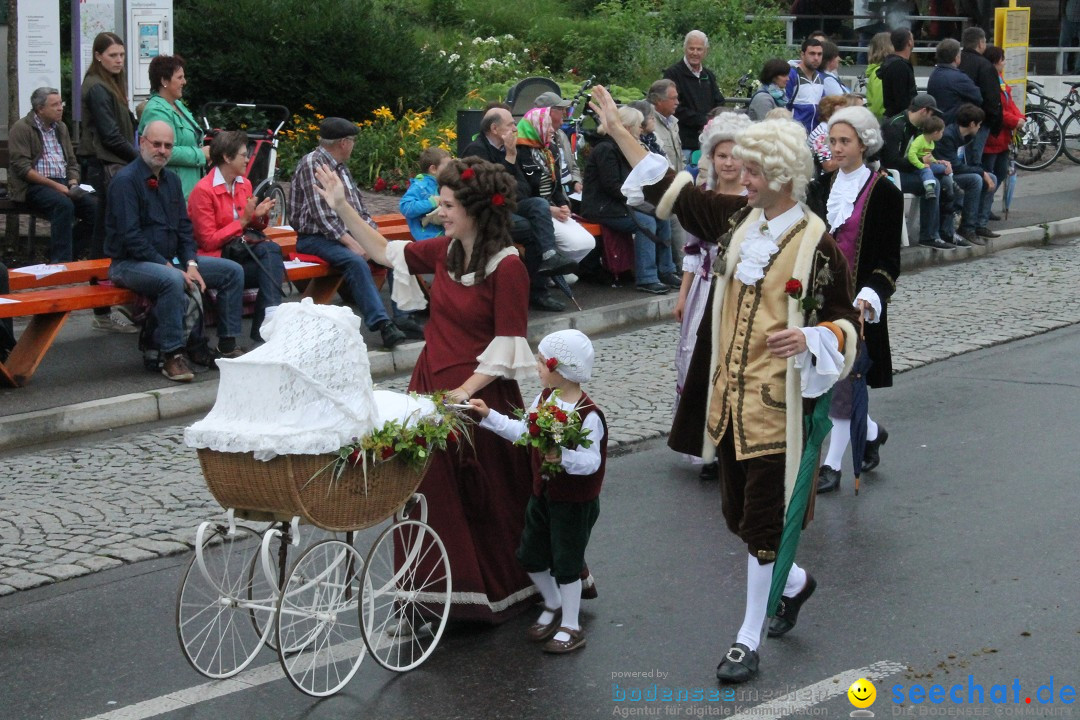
[778, 328]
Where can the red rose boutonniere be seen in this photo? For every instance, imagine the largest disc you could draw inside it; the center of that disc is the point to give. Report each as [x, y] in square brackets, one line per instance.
[152, 183]
[793, 288]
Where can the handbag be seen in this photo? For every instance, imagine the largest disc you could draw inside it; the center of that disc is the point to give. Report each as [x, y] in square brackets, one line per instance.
[237, 249]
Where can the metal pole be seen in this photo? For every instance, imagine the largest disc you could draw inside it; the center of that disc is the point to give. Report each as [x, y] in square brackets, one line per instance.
[13, 62]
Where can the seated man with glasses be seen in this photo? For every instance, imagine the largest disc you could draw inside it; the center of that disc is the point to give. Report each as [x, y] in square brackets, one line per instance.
[44, 174]
[149, 237]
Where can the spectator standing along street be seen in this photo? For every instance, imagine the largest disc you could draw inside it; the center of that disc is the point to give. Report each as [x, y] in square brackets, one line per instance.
[982, 72]
[773, 77]
[697, 89]
[806, 86]
[948, 84]
[1070, 36]
[897, 75]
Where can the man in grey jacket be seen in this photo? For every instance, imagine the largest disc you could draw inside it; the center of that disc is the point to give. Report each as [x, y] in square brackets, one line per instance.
[44, 173]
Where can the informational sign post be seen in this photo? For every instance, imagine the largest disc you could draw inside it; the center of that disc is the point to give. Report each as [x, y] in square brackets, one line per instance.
[1012, 26]
[149, 25]
[39, 49]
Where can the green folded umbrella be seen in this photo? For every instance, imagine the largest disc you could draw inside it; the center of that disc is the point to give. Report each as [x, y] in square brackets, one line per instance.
[816, 426]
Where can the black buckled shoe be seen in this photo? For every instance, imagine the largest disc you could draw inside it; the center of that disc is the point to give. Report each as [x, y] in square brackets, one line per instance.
[710, 471]
[556, 264]
[787, 612]
[739, 665]
[872, 453]
[828, 480]
[544, 301]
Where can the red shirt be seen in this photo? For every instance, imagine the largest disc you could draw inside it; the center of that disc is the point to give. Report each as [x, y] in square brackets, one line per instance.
[215, 212]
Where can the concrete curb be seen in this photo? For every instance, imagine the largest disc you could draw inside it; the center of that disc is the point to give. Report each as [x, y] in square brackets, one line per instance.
[81, 418]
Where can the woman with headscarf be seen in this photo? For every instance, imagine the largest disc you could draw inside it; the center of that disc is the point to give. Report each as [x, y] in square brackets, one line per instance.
[864, 212]
[536, 132]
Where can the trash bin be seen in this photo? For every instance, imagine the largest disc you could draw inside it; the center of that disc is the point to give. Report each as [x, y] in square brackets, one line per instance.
[468, 125]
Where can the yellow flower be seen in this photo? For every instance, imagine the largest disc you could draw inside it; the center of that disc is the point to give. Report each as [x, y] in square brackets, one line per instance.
[312, 127]
[319, 117]
[383, 113]
[444, 146]
[401, 151]
[424, 143]
[309, 106]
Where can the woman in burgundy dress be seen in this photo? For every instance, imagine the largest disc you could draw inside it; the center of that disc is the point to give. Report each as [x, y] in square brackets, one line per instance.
[475, 348]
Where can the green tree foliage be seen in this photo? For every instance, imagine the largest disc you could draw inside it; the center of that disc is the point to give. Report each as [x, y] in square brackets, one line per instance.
[347, 56]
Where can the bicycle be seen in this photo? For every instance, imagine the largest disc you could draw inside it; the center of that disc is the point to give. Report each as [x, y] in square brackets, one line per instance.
[1068, 117]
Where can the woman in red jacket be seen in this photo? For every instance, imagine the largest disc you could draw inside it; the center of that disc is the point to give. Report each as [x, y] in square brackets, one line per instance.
[995, 157]
[222, 209]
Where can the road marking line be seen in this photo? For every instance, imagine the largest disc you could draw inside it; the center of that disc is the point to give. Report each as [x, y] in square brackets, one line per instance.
[819, 692]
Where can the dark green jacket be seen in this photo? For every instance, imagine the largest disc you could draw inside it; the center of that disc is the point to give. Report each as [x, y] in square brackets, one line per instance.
[26, 146]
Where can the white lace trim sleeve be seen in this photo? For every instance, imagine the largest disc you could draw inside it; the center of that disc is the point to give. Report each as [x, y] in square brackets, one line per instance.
[508, 357]
[406, 293]
[821, 371]
[647, 172]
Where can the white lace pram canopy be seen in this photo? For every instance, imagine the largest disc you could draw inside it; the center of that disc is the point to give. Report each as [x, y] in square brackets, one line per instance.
[306, 391]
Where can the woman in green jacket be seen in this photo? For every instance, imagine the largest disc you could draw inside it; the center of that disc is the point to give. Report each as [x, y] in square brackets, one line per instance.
[189, 155]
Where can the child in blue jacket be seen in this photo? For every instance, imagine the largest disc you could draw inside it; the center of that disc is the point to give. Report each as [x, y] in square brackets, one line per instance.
[420, 203]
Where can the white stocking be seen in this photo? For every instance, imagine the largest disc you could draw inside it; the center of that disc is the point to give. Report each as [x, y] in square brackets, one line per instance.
[549, 590]
[796, 581]
[838, 442]
[571, 605]
[758, 582]
[871, 429]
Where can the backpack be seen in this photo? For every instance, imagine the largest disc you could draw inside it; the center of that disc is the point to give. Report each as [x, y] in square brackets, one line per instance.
[193, 327]
[875, 96]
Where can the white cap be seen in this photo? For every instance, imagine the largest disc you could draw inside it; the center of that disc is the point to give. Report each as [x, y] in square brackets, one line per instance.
[574, 352]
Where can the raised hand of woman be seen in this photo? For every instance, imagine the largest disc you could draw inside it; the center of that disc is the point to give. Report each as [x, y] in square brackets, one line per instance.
[329, 186]
[604, 106]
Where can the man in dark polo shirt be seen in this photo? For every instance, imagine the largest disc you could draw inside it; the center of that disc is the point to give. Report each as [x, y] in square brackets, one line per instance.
[698, 91]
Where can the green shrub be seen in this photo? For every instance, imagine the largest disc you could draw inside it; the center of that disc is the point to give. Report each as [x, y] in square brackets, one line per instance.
[348, 56]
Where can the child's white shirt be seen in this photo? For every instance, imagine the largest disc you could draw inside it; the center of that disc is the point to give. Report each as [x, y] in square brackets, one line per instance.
[583, 461]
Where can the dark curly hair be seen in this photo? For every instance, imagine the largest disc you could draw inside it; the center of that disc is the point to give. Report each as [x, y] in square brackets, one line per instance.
[162, 68]
[475, 194]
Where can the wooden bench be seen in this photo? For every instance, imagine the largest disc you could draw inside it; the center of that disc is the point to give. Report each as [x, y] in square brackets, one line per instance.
[49, 307]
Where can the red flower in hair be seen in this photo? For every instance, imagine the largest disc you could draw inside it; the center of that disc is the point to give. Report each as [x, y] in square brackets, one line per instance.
[467, 174]
[552, 363]
[152, 183]
[498, 200]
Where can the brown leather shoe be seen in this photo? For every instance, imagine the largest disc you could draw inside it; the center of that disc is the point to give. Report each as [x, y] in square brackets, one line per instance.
[561, 647]
[176, 368]
[538, 632]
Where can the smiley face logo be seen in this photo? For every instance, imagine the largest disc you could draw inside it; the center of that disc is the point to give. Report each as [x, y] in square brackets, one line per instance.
[862, 693]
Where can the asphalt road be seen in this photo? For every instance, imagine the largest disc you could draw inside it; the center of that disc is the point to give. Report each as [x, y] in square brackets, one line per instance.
[957, 560]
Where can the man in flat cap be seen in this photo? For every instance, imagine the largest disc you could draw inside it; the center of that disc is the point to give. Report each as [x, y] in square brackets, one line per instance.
[321, 232]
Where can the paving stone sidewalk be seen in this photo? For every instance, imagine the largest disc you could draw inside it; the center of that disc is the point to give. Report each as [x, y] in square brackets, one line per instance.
[70, 512]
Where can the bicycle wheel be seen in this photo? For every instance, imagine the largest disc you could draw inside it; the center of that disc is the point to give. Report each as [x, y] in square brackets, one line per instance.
[408, 577]
[319, 634]
[279, 215]
[212, 604]
[1071, 132]
[1038, 141]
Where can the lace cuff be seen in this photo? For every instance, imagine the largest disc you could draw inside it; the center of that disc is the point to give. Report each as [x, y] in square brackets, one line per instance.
[692, 263]
[406, 292]
[508, 357]
[649, 171]
[823, 370]
[870, 296]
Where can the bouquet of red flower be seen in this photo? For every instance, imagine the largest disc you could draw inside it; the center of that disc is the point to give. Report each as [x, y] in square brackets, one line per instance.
[548, 427]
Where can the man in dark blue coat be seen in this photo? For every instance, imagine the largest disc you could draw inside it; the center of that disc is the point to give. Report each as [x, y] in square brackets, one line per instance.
[148, 236]
[976, 184]
[948, 84]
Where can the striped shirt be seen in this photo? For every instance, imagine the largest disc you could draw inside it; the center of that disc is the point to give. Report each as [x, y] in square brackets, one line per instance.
[51, 164]
[309, 214]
